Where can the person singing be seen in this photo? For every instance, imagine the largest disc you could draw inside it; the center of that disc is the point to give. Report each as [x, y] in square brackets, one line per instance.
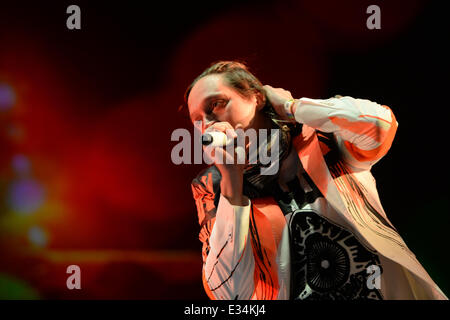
[314, 230]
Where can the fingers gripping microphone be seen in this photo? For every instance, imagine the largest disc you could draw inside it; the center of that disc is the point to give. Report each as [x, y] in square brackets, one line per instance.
[219, 139]
[215, 139]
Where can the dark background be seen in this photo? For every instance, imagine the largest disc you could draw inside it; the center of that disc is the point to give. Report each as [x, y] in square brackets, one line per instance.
[94, 109]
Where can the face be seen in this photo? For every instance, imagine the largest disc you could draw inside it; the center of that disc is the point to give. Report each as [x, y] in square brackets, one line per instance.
[211, 100]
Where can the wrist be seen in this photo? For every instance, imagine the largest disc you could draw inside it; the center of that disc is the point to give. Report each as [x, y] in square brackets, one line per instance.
[289, 109]
[231, 187]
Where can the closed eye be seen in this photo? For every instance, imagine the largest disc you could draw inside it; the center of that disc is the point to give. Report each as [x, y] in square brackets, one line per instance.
[219, 103]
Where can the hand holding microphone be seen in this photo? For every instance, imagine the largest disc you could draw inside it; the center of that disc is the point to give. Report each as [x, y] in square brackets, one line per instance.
[216, 141]
[218, 136]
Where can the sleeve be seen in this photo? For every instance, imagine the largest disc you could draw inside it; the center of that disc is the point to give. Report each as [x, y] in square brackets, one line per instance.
[364, 130]
[228, 263]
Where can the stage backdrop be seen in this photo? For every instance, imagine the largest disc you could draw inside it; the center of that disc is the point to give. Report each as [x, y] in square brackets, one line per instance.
[86, 117]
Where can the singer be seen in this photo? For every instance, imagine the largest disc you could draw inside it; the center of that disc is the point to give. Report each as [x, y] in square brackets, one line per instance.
[314, 230]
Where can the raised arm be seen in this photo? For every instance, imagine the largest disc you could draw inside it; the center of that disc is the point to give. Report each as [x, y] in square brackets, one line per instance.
[364, 129]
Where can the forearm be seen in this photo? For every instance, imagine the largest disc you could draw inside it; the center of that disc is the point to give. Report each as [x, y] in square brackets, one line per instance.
[229, 266]
[339, 114]
[364, 129]
[231, 187]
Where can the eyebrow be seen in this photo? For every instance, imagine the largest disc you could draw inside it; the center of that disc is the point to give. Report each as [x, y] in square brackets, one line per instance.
[208, 99]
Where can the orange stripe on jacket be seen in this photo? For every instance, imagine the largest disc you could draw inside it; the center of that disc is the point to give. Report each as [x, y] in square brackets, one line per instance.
[268, 225]
[206, 287]
[377, 133]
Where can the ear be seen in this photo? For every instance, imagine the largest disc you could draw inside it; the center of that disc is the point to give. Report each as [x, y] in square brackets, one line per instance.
[260, 100]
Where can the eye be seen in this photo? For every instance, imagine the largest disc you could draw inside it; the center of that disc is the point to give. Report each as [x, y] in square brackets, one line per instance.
[220, 103]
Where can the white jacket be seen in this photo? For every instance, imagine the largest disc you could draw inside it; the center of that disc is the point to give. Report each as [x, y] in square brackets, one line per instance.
[246, 248]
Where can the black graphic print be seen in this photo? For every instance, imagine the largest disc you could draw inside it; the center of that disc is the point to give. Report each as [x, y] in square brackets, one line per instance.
[328, 262]
[296, 198]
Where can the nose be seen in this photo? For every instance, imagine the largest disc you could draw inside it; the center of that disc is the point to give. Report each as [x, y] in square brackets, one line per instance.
[206, 123]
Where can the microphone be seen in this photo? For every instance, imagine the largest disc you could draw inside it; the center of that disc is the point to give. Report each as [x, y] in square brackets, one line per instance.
[215, 139]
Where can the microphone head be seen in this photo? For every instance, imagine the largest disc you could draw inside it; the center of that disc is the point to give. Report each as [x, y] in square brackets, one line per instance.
[207, 139]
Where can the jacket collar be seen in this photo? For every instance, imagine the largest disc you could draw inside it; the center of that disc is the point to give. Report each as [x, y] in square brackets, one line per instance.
[311, 157]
